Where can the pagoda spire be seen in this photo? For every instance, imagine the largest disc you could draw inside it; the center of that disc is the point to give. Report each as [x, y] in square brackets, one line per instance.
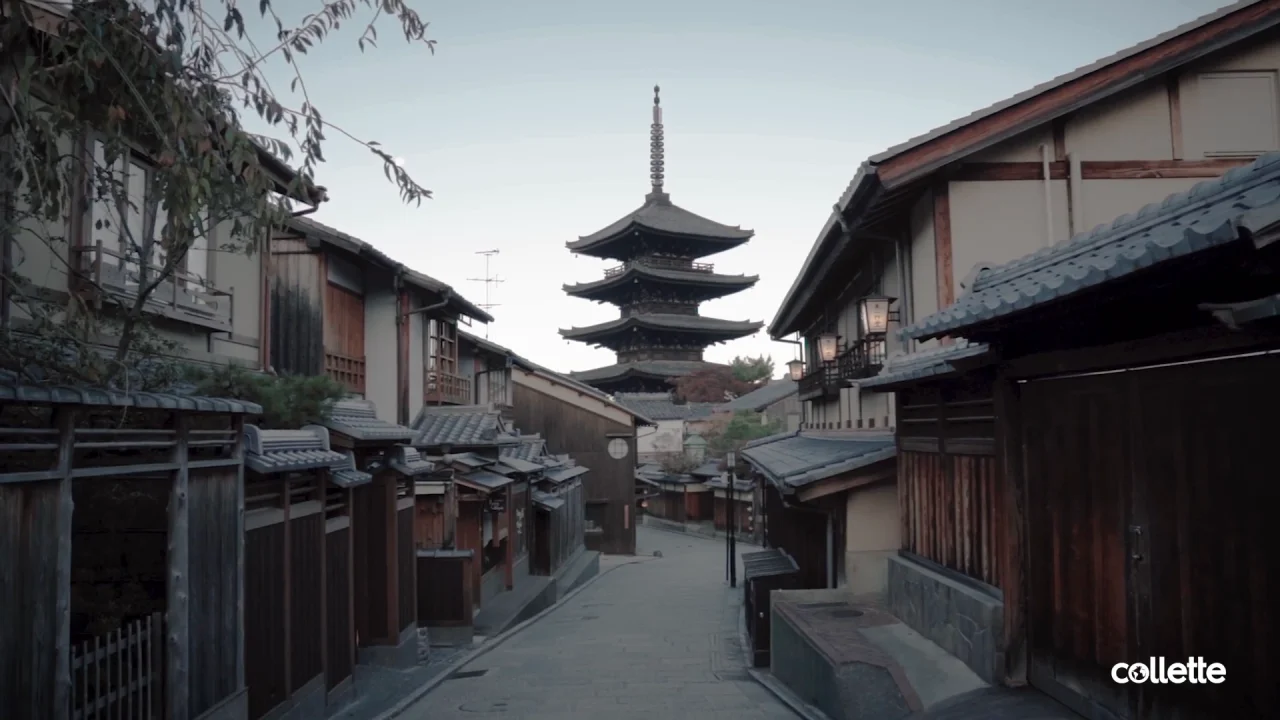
[656, 150]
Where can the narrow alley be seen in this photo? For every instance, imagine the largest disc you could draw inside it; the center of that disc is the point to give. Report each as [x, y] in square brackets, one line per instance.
[651, 635]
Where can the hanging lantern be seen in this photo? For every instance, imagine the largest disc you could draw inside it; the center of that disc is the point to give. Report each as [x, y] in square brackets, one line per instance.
[874, 313]
[796, 369]
[827, 346]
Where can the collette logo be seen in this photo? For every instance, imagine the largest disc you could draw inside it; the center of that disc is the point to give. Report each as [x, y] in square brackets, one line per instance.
[1159, 671]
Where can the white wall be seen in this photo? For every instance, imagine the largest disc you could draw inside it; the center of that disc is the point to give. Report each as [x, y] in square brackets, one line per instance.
[872, 534]
[380, 343]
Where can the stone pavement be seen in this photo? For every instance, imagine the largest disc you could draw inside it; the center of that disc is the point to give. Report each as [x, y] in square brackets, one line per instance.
[658, 636]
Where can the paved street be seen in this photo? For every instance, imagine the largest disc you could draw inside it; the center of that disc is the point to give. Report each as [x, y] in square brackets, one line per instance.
[658, 636]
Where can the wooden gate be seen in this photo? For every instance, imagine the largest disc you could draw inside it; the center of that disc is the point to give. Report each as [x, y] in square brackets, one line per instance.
[1148, 494]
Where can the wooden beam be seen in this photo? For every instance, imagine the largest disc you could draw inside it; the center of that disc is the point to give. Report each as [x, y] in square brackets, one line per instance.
[1174, 347]
[942, 243]
[1060, 139]
[392, 559]
[847, 482]
[1012, 549]
[1096, 170]
[178, 609]
[1079, 92]
[1175, 114]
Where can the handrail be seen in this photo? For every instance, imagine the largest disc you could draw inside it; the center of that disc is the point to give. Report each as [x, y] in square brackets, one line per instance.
[662, 263]
[98, 251]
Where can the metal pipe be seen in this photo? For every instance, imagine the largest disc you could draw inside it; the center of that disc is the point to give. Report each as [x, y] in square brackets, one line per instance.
[831, 551]
[1075, 194]
[1048, 194]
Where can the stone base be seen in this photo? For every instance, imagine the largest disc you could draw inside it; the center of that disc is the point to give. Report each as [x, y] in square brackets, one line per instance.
[402, 655]
[307, 703]
[458, 636]
[960, 618]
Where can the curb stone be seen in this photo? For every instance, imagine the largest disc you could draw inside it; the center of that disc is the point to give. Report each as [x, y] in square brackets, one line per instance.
[491, 643]
[788, 698]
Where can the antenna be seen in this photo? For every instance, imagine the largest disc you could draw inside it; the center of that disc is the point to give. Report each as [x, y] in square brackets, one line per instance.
[489, 281]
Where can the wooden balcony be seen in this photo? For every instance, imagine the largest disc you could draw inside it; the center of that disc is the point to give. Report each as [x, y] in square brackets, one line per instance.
[662, 263]
[823, 382]
[345, 369]
[182, 296]
[446, 389]
[863, 360]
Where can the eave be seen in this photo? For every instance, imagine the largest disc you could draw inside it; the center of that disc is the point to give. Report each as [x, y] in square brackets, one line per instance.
[912, 163]
[675, 324]
[714, 285]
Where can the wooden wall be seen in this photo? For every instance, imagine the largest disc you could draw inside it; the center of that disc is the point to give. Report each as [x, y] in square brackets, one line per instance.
[585, 435]
[214, 575]
[297, 308]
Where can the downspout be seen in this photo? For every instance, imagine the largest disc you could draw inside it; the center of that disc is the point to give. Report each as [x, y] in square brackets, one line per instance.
[1048, 194]
[831, 550]
[402, 348]
[1075, 194]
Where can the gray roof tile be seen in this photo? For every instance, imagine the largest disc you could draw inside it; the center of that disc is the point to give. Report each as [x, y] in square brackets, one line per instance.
[686, 277]
[763, 397]
[547, 500]
[662, 321]
[925, 364]
[358, 420]
[794, 460]
[484, 480]
[508, 465]
[774, 561]
[346, 475]
[662, 406]
[660, 214]
[560, 475]
[653, 368]
[529, 447]
[458, 426]
[12, 390]
[276, 451]
[1211, 214]
[407, 460]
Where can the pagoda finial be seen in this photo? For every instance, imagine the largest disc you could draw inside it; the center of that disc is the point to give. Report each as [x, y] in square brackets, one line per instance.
[656, 154]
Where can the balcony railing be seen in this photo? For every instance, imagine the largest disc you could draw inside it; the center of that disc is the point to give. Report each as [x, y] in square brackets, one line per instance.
[863, 360]
[820, 383]
[662, 263]
[181, 296]
[446, 389]
[346, 369]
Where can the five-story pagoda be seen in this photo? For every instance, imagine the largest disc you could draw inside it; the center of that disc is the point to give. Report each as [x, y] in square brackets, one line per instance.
[658, 287]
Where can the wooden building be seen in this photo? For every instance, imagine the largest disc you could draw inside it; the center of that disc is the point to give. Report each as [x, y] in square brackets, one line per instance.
[733, 506]
[559, 515]
[133, 496]
[300, 578]
[826, 497]
[1133, 485]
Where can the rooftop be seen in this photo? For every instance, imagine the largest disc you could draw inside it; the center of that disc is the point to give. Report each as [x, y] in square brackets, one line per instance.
[662, 406]
[794, 460]
[460, 426]
[642, 368]
[775, 391]
[358, 420]
[694, 324]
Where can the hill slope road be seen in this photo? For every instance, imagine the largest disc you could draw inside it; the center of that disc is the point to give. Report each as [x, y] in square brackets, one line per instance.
[656, 638]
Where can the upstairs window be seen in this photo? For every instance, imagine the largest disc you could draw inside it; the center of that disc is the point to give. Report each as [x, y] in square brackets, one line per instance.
[442, 346]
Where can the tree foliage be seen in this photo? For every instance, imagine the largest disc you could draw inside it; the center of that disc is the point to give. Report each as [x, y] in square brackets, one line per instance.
[714, 384]
[742, 428]
[752, 369]
[288, 401]
[89, 88]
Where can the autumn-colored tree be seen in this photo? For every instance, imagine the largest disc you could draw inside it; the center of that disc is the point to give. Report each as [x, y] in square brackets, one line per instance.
[714, 384]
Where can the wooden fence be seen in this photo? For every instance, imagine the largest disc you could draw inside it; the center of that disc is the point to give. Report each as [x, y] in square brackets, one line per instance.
[120, 675]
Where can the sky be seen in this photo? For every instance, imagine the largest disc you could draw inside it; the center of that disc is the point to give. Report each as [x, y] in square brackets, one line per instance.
[530, 124]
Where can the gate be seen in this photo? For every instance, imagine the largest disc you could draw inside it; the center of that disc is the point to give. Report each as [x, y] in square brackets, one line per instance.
[1149, 494]
[121, 674]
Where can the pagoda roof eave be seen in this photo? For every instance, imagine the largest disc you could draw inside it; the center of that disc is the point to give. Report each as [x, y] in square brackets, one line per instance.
[660, 215]
[649, 369]
[691, 324]
[663, 276]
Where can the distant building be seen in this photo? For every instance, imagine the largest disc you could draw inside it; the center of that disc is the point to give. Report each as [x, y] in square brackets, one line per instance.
[778, 401]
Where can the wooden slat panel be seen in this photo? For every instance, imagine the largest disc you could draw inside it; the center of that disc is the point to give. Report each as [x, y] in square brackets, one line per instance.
[947, 503]
[341, 636]
[407, 587]
[306, 590]
[264, 619]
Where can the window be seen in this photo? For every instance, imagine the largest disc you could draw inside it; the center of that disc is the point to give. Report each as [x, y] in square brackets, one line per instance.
[120, 223]
[1237, 113]
[442, 346]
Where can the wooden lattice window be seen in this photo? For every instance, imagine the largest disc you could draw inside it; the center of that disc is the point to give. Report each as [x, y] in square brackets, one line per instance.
[442, 346]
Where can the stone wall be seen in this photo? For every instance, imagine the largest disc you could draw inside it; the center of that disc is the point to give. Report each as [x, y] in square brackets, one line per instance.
[963, 620]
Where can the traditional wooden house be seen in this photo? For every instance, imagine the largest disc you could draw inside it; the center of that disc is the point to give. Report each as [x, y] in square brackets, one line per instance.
[665, 441]
[338, 306]
[922, 222]
[300, 587]
[559, 515]
[1120, 433]
[121, 554]
[826, 500]
[733, 505]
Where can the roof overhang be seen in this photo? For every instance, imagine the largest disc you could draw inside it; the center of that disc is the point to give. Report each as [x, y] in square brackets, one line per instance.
[915, 160]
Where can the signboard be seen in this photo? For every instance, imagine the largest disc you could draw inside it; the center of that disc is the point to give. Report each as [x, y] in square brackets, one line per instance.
[497, 503]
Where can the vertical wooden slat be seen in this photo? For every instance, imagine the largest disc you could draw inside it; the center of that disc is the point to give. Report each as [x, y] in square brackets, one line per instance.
[62, 691]
[177, 650]
[130, 669]
[97, 676]
[120, 656]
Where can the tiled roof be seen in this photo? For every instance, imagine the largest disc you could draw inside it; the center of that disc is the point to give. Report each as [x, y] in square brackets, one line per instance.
[667, 321]
[547, 500]
[1211, 214]
[794, 460]
[708, 469]
[739, 485]
[358, 420]
[683, 277]
[12, 390]
[468, 461]
[515, 465]
[276, 451]
[484, 480]
[652, 368]
[658, 213]
[458, 426]
[346, 475]
[408, 461]
[529, 447]
[763, 397]
[774, 561]
[924, 364]
[560, 475]
[662, 406]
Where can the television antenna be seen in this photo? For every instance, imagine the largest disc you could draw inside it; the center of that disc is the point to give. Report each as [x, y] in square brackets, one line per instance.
[489, 281]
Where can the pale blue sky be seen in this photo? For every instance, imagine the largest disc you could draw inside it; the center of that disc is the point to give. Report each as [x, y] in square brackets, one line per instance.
[530, 124]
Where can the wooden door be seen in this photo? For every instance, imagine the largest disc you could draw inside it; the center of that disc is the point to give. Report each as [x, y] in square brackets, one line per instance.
[1149, 493]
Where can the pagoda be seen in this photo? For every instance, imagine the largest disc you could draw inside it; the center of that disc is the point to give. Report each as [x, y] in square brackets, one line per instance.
[659, 334]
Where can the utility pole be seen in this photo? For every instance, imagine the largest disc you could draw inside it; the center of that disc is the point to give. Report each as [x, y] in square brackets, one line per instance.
[489, 281]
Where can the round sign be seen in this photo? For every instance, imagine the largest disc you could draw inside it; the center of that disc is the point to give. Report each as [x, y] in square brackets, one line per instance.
[618, 448]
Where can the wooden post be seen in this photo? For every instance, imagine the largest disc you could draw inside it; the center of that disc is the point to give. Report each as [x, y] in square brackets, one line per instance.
[62, 606]
[237, 452]
[1012, 499]
[177, 630]
[389, 518]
